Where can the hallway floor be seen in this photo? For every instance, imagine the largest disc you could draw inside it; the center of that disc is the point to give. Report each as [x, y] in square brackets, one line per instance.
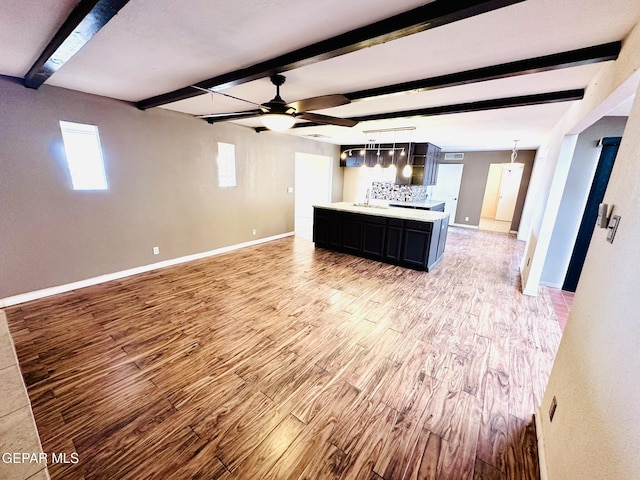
[561, 301]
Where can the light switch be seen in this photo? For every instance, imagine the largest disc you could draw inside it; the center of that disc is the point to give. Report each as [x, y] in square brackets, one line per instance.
[612, 228]
[603, 215]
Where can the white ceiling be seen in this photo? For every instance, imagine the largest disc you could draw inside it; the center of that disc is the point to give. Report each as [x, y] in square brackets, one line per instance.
[156, 46]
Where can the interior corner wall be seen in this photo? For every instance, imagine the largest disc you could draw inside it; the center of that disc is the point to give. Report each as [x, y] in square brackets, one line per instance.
[574, 197]
[614, 83]
[595, 379]
[474, 181]
[162, 174]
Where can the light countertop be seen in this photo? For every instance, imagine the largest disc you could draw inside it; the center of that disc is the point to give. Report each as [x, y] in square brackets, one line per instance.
[386, 211]
[418, 203]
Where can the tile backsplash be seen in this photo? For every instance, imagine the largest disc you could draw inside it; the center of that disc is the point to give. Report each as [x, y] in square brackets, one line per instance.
[401, 193]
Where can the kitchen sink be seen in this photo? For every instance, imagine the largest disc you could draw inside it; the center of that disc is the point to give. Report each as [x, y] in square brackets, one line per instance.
[369, 205]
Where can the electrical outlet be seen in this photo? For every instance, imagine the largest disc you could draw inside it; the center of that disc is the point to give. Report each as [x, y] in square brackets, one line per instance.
[466, 219]
[156, 250]
[253, 231]
[552, 408]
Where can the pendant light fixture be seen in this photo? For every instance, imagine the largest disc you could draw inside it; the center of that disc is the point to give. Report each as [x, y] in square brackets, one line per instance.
[392, 167]
[513, 165]
[375, 145]
[407, 171]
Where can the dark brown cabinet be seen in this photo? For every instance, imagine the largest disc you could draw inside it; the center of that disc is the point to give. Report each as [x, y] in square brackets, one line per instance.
[415, 249]
[351, 233]
[423, 157]
[393, 239]
[373, 230]
[425, 164]
[327, 228]
[410, 243]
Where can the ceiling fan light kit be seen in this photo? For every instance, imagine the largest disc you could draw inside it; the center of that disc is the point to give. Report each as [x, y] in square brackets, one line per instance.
[279, 116]
[278, 122]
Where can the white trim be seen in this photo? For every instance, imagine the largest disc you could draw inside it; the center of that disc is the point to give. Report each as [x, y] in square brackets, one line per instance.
[46, 292]
[473, 227]
[542, 458]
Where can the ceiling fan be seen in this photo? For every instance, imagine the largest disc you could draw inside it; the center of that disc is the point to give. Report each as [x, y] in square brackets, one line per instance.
[278, 115]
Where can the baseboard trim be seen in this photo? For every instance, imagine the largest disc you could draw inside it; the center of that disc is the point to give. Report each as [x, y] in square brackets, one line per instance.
[542, 458]
[473, 227]
[47, 292]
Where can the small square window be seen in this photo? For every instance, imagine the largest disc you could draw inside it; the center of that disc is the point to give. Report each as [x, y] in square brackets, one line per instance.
[84, 156]
[226, 165]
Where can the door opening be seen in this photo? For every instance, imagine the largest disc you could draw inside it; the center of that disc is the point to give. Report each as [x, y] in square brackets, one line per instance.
[608, 154]
[500, 197]
[447, 187]
[313, 174]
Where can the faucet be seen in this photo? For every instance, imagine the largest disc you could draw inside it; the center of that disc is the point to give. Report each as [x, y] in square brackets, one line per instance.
[367, 197]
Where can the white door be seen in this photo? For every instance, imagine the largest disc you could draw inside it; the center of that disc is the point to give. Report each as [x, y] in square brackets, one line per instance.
[312, 186]
[447, 187]
[509, 188]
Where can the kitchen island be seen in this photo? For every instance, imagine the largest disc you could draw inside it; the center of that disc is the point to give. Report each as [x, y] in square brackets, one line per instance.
[402, 236]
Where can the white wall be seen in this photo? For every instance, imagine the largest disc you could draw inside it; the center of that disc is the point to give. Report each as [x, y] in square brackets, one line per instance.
[553, 172]
[358, 179]
[614, 84]
[574, 198]
[595, 433]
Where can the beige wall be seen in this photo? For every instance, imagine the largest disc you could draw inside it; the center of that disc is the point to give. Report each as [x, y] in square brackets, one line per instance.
[162, 188]
[474, 181]
[595, 377]
[595, 432]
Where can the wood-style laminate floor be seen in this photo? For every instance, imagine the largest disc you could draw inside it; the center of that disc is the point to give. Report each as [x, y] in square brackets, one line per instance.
[281, 362]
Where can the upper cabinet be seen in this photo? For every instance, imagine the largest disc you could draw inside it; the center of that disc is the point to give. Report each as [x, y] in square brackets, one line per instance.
[425, 164]
[423, 158]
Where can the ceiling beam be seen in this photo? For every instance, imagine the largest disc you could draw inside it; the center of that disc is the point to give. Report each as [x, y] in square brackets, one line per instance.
[430, 15]
[573, 58]
[556, 61]
[83, 23]
[493, 104]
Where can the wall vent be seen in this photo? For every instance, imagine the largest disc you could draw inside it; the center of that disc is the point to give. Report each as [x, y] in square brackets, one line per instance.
[453, 156]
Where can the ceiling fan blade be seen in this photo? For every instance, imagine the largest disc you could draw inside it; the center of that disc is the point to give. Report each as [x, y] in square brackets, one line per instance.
[225, 117]
[326, 119]
[319, 103]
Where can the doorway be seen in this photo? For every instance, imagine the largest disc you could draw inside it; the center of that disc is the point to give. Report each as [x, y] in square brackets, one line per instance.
[447, 187]
[500, 197]
[607, 158]
[313, 174]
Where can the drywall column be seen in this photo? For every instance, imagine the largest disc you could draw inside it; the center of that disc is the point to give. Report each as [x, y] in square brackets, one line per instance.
[595, 378]
[538, 245]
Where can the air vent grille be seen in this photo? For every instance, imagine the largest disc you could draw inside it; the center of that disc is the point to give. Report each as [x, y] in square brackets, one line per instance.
[316, 135]
[454, 156]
